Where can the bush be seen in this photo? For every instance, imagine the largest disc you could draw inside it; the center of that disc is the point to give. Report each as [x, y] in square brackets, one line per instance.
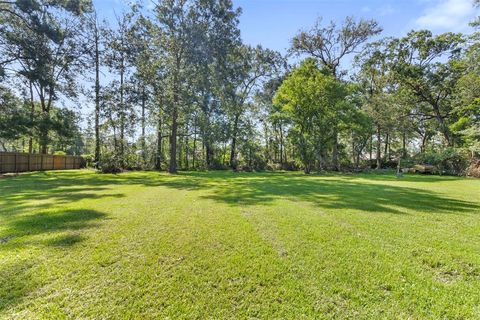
[110, 163]
[474, 169]
[217, 165]
[132, 161]
[59, 153]
[448, 161]
[89, 159]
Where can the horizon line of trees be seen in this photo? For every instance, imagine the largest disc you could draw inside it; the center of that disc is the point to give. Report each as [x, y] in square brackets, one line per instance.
[175, 88]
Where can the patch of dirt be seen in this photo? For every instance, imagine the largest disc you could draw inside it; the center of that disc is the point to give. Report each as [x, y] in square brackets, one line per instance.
[5, 239]
[448, 273]
[446, 276]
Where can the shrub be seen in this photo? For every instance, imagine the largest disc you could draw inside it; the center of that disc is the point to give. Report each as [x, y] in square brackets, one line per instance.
[89, 160]
[448, 161]
[474, 169]
[132, 161]
[110, 163]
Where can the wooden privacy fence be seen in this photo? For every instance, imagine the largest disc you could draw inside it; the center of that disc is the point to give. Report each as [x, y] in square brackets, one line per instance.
[21, 162]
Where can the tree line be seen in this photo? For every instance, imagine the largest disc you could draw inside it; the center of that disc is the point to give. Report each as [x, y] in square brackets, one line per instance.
[175, 88]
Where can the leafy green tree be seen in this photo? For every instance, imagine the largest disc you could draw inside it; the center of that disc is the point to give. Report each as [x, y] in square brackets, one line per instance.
[311, 97]
[417, 61]
[375, 82]
[42, 43]
[216, 36]
[466, 105]
[249, 66]
[118, 57]
[14, 117]
[330, 45]
[173, 30]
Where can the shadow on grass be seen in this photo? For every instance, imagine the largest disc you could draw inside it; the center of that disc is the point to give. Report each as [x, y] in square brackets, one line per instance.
[17, 279]
[22, 231]
[366, 192]
[31, 190]
[328, 192]
[58, 230]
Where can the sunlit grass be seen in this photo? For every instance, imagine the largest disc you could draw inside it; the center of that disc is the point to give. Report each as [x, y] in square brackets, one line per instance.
[76, 244]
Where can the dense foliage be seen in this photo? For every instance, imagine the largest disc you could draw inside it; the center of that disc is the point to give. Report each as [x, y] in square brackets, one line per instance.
[182, 91]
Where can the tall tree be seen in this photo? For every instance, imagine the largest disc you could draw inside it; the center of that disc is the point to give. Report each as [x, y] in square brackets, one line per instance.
[119, 59]
[418, 63]
[332, 43]
[310, 96]
[249, 66]
[41, 42]
[216, 36]
[174, 30]
[375, 81]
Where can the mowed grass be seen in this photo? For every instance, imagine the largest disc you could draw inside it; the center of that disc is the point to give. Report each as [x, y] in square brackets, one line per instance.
[147, 245]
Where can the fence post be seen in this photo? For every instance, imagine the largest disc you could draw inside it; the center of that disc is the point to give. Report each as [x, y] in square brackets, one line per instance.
[41, 162]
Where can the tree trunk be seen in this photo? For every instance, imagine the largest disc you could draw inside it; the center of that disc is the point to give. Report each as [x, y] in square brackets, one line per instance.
[194, 151]
[224, 157]
[45, 128]
[142, 139]
[206, 133]
[335, 151]
[32, 115]
[443, 126]
[173, 142]
[159, 158]
[179, 152]
[267, 145]
[353, 150]
[122, 114]
[233, 154]
[371, 148]
[97, 95]
[209, 154]
[379, 146]
[115, 142]
[387, 141]
[282, 160]
[187, 151]
[173, 137]
[424, 143]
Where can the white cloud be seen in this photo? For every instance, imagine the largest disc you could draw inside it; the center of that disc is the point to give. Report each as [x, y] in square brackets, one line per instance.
[451, 15]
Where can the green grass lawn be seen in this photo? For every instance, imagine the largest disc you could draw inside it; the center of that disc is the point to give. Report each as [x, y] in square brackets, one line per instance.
[76, 244]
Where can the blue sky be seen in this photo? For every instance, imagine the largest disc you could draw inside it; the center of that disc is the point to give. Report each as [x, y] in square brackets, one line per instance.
[273, 23]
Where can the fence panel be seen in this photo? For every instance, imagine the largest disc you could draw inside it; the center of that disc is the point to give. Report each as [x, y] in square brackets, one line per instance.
[47, 163]
[21, 162]
[35, 162]
[7, 162]
[69, 161]
[58, 162]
